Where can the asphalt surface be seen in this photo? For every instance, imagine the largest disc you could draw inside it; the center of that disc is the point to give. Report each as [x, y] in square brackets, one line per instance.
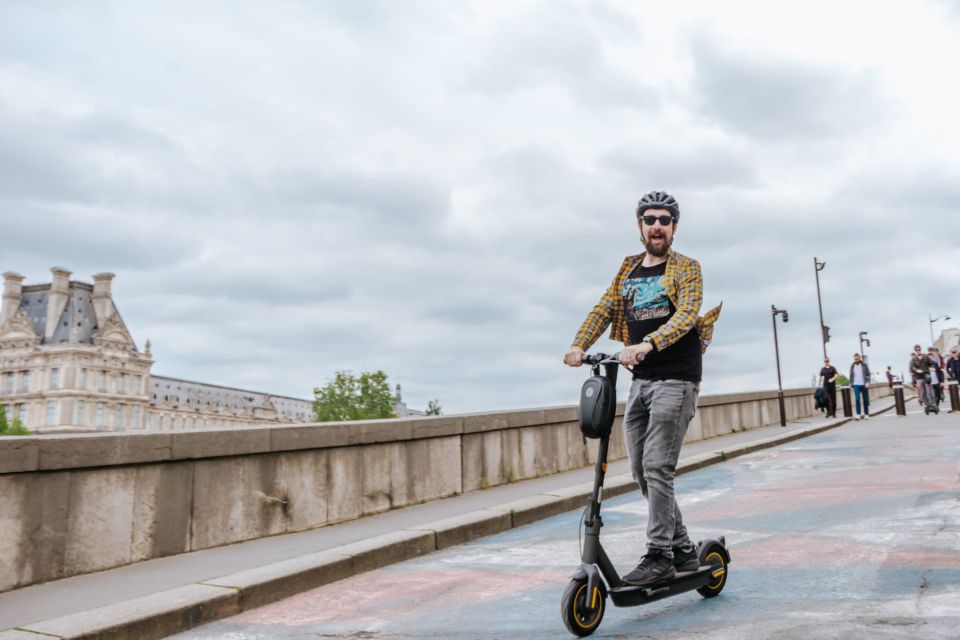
[853, 533]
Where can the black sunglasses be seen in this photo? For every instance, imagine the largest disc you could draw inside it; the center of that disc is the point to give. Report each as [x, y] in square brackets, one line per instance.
[663, 220]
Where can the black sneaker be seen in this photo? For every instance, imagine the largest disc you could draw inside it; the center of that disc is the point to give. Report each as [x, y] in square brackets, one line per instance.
[685, 561]
[654, 567]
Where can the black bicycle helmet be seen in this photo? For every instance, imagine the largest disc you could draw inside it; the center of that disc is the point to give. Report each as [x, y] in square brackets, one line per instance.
[659, 200]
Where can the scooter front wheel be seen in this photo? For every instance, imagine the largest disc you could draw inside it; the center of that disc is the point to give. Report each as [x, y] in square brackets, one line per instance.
[582, 612]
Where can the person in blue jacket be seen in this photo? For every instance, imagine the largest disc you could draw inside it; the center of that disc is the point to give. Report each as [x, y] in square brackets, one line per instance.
[859, 379]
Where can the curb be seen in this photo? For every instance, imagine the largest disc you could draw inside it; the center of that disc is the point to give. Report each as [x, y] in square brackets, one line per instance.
[160, 615]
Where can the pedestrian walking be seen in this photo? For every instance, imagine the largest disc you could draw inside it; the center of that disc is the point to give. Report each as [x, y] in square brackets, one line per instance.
[859, 377]
[828, 380]
[953, 364]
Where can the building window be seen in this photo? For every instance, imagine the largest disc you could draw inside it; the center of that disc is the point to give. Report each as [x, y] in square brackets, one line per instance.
[98, 419]
[118, 418]
[103, 382]
[52, 413]
[54, 378]
[8, 381]
[137, 384]
[122, 383]
[24, 381]
[135, 417]
[82, 383]
[79, 418]
[22, 413]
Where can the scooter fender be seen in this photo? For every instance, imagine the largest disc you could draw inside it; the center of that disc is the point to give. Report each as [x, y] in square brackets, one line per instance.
[590, 572]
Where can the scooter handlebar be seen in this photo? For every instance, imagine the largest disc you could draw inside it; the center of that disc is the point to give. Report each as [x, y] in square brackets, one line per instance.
[600, 358]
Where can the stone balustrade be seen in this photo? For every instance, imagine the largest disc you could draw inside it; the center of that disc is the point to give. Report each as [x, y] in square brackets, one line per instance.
[72, 504]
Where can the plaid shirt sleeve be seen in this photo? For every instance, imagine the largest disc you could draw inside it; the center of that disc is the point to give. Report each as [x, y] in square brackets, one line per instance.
[689, 299]
[607, 310]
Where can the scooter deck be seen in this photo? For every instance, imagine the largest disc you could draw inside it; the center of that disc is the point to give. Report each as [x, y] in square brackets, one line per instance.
[628, 595]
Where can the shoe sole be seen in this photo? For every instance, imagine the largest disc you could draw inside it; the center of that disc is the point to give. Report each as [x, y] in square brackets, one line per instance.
[669, 574]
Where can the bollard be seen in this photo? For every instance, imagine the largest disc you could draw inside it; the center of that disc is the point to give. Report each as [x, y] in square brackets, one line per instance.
[954, 395]
[898, 399]
[847, 403]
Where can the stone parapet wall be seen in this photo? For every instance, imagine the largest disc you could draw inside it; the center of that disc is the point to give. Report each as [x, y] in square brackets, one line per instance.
[72, 504]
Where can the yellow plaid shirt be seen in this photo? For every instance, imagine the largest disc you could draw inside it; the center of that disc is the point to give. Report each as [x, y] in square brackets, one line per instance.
[683, 284]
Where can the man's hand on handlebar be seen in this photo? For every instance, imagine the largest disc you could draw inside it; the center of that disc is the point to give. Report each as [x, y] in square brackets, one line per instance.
[633, 354]
[574, 357]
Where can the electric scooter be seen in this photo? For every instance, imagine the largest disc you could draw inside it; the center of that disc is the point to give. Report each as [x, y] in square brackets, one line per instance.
[584, 599]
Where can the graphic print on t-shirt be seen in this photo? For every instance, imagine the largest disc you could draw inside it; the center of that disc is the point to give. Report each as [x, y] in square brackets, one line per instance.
[648, 299]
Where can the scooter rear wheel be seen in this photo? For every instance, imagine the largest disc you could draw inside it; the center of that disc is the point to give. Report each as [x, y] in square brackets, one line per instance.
[582, 612]
[716, 556]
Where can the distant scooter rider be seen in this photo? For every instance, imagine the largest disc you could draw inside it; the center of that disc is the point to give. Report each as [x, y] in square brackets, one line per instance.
[936, 374]
[920, 369]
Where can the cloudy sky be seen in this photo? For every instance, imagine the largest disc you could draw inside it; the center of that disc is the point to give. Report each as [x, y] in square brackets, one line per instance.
[443, 189]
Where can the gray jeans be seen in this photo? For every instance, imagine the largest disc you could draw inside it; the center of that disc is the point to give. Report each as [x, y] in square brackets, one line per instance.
[656, 419]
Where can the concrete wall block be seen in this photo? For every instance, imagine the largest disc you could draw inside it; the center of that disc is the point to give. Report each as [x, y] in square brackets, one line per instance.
[316, 436]
[212, 444]
[161, 513]
[39, 503]
[18, 454]
[345, 483]
[511, 466]
[89, 450]
[438, 426]
[526, 418]
[13, 491]
[480, 422]
[494, 471]
[531, 445]
[236, 499]
[471, 462]
[100, 520]
[376, 431]
[553, 415]
[618, 445]
[377, 485]
[768, 411]
[401, 491]
[434, 467]
[302, 480]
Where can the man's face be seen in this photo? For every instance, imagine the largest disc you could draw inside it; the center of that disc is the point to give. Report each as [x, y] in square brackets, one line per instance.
[826, 362]
[954, 352]
[657, 237]
[856, 358]
[917, 351]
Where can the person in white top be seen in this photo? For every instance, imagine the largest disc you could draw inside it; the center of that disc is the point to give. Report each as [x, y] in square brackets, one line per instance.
[859, 377]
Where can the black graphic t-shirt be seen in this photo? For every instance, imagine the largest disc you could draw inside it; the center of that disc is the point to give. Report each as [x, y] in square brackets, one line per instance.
[647, 307]
[827, 373]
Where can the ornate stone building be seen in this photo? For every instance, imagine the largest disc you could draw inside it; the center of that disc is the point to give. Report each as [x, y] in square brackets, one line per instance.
[69, 363]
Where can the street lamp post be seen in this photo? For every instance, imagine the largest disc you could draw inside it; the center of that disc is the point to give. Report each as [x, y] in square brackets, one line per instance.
[862, 341]
[776, 347]
[824, 329]
[932, 320]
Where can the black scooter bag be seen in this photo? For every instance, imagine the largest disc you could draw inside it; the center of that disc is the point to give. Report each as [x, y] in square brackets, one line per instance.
[598, 407]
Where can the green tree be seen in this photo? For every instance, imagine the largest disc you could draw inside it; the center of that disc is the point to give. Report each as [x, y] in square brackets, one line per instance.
[350, 397]
[7, 428]
[433, 408]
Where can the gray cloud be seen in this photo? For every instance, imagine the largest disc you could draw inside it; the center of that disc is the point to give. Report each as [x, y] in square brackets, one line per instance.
[765, 97]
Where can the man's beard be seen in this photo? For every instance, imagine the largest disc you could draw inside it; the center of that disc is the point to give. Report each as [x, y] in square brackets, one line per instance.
[654, 250]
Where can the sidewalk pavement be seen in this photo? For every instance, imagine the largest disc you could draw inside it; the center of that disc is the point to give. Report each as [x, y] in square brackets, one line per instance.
[160, 597]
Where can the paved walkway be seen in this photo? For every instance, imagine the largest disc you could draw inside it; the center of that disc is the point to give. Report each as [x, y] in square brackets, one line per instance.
[60, 598]
[852, 533]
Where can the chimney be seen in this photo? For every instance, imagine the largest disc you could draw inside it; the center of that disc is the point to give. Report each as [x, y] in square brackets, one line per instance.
[57, 299]
[102, 302]
[12, 295]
